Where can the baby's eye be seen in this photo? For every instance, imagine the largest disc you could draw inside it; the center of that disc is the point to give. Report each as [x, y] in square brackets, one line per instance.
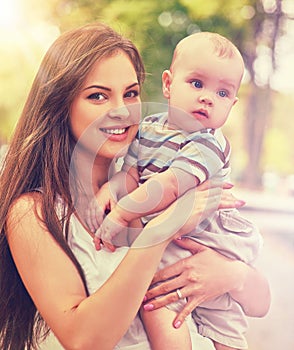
[197, 84]
[132, 94]
[223, 93]
[97, 96]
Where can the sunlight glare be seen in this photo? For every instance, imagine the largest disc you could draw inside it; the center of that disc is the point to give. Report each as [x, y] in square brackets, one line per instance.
[9, 13]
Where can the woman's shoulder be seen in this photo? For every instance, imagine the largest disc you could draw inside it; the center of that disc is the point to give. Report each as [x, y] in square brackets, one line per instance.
[26, 200]
[27, 203]
[24, 219]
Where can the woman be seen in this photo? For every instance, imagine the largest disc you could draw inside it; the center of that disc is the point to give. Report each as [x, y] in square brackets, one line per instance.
[48, 262]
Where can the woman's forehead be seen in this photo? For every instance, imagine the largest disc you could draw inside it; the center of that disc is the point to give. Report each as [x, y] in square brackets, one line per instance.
[113, 69]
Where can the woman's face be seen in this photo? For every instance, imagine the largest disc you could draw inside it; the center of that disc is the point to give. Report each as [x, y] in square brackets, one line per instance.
[105, 114]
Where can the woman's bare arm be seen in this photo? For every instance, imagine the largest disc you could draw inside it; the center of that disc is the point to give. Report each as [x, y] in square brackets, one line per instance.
[57, 289]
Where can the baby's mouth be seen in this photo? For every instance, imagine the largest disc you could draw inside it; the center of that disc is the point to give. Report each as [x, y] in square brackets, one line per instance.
[201, 112]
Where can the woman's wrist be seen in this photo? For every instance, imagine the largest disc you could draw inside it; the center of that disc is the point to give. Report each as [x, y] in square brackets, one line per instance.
[146, 237]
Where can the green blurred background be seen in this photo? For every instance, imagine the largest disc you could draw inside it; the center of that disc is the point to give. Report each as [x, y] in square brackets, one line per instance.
[261, 126]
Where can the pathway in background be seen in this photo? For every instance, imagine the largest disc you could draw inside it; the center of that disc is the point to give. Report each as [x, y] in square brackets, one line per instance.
[275, 217]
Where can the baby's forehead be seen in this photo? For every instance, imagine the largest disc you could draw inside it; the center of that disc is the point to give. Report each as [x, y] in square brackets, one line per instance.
[195, 40]
[210, 42]
[207, 44]
[189, 46]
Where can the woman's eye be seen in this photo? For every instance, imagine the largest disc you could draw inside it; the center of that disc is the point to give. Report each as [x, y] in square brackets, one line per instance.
[223, 93]
[197, 84]
[132, 94]
[97, 96]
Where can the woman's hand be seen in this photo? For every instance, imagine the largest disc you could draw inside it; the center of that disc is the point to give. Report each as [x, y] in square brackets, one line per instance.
[184, 214]
[204, 276]
[197, 204]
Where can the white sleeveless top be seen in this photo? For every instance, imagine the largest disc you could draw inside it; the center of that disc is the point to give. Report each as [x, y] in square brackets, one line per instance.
[97, 267]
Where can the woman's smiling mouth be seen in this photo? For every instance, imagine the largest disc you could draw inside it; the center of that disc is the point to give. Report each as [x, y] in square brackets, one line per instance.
[116, 134]
[116, 131]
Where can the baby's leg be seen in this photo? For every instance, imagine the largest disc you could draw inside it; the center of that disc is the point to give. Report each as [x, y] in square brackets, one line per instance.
[161, 332]
[219, 346]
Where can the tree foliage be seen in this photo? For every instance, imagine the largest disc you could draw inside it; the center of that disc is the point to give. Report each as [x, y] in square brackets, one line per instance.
[255, 26]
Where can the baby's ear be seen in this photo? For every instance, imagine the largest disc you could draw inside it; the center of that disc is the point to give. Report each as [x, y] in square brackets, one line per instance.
[166, 81]
[235, 101]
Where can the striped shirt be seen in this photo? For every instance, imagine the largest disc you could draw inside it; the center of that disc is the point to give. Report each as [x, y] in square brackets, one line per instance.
[204, 154]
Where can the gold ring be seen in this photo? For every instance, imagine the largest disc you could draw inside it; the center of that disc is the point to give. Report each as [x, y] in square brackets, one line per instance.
[179, 293]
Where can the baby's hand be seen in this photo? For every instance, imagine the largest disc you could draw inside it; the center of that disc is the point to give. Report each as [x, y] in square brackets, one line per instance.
[111, 226]
[103, 202]
[94, 215]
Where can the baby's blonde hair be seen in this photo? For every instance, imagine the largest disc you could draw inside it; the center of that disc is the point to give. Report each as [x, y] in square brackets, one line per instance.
[222, 46]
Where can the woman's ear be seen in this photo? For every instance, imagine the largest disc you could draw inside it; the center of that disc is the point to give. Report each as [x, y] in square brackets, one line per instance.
[166, 82]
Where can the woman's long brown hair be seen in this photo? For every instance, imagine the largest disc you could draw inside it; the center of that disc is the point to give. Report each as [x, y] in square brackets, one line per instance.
[39, 157]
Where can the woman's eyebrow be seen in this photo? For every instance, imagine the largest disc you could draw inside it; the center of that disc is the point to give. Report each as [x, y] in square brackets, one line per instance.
[108, 89]
[97, 87]
[132, 85]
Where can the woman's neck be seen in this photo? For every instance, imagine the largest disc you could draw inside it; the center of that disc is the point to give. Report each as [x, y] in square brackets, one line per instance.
[101, 172]
[90, 174]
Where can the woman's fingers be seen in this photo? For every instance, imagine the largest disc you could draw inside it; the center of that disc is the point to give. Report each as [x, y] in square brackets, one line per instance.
[186, 290]
[191, 304]
[230, 201]
[163, 300]
[189, 244]
[220, 189]
[202, 276]
[206, 185]
[169, 272]
[171, 276]
[162, 292]
[227, 185]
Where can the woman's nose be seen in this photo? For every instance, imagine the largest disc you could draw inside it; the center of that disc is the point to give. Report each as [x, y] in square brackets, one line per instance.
[119, 113]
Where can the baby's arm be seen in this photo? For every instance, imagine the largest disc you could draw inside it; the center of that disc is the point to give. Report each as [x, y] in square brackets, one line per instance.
[154, 195]
[106, 198]
[124, 181]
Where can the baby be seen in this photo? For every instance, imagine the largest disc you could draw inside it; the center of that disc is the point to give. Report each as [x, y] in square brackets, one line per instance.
[174, 152]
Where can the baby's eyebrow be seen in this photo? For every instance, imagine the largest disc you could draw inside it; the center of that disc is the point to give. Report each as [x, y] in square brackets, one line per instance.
[228, 84]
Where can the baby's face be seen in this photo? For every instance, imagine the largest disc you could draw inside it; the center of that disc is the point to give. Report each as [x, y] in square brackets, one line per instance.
[202, 87]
